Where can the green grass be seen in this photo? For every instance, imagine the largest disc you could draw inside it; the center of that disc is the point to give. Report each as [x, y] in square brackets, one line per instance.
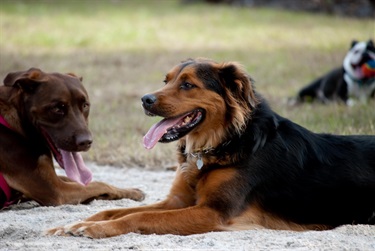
[124, 48]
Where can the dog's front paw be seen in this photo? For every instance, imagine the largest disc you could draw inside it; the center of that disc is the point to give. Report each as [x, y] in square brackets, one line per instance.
[57, 231]
[127, 193]
[136, 194]
[86, 229]
[93, 230]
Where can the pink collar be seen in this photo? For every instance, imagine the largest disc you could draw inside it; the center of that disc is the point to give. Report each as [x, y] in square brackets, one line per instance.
[4, 122]
[3, 184]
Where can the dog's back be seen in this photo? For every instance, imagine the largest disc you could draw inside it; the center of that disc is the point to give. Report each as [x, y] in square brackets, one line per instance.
[315, 178]
[327, 87]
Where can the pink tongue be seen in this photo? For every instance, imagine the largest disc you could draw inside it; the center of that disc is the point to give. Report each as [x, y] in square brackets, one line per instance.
[157, 131]
[358, 72]
[75, 168]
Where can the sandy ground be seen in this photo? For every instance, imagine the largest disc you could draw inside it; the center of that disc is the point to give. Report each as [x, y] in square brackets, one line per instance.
[22, 226]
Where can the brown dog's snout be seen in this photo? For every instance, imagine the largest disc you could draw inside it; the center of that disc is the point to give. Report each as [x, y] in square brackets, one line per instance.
[83, 141]
[148, 100]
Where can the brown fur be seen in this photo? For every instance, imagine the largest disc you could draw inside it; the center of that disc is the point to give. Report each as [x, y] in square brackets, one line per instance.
[26, 100]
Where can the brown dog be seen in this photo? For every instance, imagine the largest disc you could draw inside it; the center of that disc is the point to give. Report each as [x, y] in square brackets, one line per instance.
[43, 115]
[241, 165]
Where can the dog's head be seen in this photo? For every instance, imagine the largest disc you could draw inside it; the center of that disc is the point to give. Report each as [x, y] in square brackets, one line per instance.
[202, 101]
[359, 54]
[55, 106]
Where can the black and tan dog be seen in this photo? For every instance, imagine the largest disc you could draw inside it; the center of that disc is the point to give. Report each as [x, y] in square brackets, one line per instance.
[43, 115]
[241, 165]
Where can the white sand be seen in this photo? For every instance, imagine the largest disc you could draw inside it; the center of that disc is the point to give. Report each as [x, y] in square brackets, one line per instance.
[22, 226]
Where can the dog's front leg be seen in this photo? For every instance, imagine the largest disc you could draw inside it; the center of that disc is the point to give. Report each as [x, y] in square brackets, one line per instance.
[191, 220]
[113, 214]
[74, 193]
[94, 190]
[181, 195]
[44, 186]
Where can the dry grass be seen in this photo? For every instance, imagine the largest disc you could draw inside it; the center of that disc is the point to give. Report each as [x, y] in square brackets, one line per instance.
[124, 48]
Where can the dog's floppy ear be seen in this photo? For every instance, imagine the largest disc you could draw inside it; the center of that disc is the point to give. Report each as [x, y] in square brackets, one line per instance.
[354, 42]
[239, 94]
[74, 75]
[239, 83]
[26, 80]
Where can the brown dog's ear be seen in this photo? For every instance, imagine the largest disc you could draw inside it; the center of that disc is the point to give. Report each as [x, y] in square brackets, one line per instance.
[239, 83]
[26, 80]
[74, 75]
[239, 94]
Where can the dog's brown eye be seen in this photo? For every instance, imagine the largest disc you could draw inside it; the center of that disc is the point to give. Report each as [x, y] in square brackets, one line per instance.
[187, 86]
[58, 109]
[86, 106]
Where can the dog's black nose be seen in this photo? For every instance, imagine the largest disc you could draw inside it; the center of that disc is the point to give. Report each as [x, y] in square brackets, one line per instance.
[84, 141]
[148, 100]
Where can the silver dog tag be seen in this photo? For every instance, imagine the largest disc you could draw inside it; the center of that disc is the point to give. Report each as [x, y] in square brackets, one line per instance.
[199, 163]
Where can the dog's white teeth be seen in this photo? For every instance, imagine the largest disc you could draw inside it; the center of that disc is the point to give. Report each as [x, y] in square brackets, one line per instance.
[169, 137]
[186, 120]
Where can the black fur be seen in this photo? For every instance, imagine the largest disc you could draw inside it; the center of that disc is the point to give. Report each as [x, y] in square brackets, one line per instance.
[298, 175]
[330, 85]
[305, 177]
[204, 72]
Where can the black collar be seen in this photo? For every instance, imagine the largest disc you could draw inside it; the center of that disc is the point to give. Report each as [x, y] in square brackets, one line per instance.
[199, 154]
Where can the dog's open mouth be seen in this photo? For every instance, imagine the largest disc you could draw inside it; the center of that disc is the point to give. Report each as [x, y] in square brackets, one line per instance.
[71, 162]
[357, 67]
[171, 129]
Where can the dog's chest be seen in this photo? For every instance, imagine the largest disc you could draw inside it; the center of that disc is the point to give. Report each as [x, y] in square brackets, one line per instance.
[359, 91]
[190, 172]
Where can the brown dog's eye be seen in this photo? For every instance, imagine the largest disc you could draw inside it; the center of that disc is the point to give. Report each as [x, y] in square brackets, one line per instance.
[59, 109]
[86, 106]
[186, 86]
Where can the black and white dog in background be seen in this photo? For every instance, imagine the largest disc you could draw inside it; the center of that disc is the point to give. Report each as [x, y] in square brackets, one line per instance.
[346, 83]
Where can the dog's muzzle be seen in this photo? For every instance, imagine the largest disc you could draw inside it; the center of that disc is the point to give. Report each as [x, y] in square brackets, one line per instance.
[148, 101]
